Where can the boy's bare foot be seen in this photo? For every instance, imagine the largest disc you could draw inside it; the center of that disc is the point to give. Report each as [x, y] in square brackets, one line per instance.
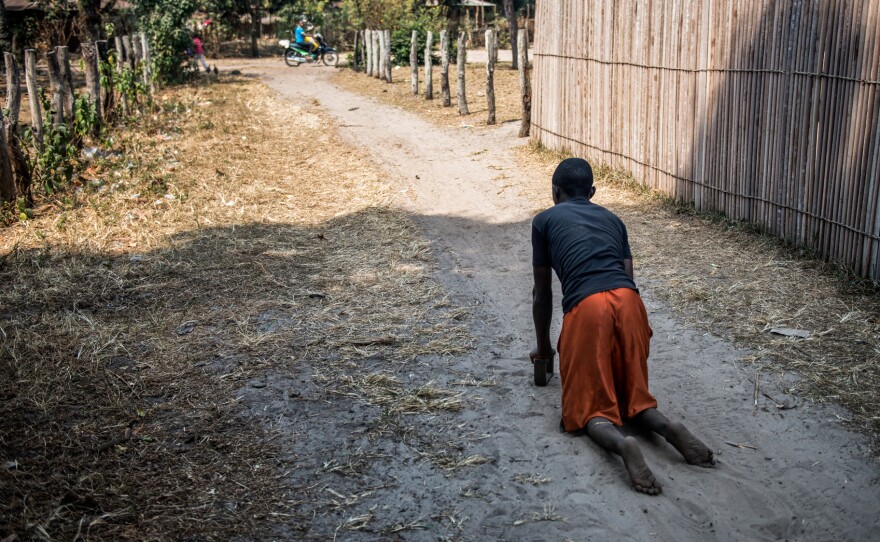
[693, 450]
[641, 476]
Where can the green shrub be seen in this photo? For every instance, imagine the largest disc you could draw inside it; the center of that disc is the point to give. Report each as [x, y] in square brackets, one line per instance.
[166, 22]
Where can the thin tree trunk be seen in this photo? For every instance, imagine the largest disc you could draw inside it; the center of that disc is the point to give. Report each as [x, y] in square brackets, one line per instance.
[490, 76]
[429, 75]
[525, 83]
[255, 31]
[444, 68]
[462, 59]
[66, 82]
[513, 26]
[56, 86]
[93, 81]
[414, 61]
[30, 77]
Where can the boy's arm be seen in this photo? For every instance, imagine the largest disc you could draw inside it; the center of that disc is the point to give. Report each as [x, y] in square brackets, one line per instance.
[542, 312]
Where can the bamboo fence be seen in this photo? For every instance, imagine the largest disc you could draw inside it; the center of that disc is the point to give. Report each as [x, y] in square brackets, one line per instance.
[765, 110]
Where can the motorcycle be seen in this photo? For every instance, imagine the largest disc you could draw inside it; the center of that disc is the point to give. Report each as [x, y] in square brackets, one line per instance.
[296, 54]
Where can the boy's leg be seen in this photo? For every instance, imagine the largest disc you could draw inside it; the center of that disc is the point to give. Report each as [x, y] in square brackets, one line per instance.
[608, 436]
[675, 433]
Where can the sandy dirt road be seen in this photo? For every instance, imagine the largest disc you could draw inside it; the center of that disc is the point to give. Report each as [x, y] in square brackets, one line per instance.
[805, 477]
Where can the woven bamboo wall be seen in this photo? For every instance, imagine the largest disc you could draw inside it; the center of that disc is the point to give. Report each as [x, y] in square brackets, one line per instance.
[766, 110]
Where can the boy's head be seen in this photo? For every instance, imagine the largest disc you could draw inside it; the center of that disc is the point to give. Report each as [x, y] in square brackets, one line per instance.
[573, 178]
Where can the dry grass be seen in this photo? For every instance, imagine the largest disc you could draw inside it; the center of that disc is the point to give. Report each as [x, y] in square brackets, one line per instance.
[730, 280]
[508, 105]
[205, 255]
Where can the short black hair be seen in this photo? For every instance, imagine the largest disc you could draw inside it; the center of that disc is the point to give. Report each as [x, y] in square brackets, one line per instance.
[574, 176]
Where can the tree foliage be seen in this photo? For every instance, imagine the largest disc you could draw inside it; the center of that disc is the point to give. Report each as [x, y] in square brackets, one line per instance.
[167, 24]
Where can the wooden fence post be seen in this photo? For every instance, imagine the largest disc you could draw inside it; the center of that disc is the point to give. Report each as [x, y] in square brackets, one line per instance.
[106, 90]
[354, 55]
[444, 68]
[380, 46]
[384, 59]
[120, 54]
[7, 179]
[462, 59]
[66, 81]
[93, 81]
[148, 69]
[368, 47]
[30, 77]
[377, 53]
[429, 75]
[387, 35]
[129, 52]
[18, 163]
[56, 87]
[525, 84]
[363, 56]
[414, 62]
[136, 47]
[490, 76]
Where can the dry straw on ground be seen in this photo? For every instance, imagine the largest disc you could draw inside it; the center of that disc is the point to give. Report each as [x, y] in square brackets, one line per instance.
[181, 271]
[732, 281]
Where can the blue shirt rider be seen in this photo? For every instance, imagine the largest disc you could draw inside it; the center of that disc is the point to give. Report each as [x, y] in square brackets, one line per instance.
[300, 37]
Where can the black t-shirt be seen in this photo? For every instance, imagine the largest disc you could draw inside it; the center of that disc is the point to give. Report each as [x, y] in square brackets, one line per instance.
[586, 245]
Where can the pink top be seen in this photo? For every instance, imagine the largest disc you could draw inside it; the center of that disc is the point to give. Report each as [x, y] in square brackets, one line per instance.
[197, 46]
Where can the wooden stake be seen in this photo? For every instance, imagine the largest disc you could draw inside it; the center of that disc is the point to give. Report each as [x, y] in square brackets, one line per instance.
[66, 82]
[524, 83]
[120, 54]
[93, 81]
[354, 56]
[387, 35]
[148, 69]
[30, 77]
[414, 63]
[13, 88]
[444, 68]
[429, 75]
[462, 59]
[368, 47]
[490, 76]
[128, 51]
[56, 87]
[377, 53]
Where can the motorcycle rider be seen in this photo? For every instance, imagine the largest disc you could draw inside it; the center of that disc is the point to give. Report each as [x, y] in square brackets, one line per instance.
[304, 41]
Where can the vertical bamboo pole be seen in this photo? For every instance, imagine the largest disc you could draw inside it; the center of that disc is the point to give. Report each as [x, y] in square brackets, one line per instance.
[429, 75]
[30, 77]
[444, 68]
[414, 62]
[490, 76]
[462, 60]
[524, 83]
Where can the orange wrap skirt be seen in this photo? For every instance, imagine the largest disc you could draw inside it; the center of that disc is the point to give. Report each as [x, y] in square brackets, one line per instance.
[603, 359]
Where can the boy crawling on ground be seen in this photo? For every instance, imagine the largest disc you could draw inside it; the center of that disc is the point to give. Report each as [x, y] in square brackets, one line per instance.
[604, 343]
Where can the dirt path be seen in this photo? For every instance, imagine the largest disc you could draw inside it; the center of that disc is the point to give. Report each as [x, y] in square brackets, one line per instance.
[806, 477]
